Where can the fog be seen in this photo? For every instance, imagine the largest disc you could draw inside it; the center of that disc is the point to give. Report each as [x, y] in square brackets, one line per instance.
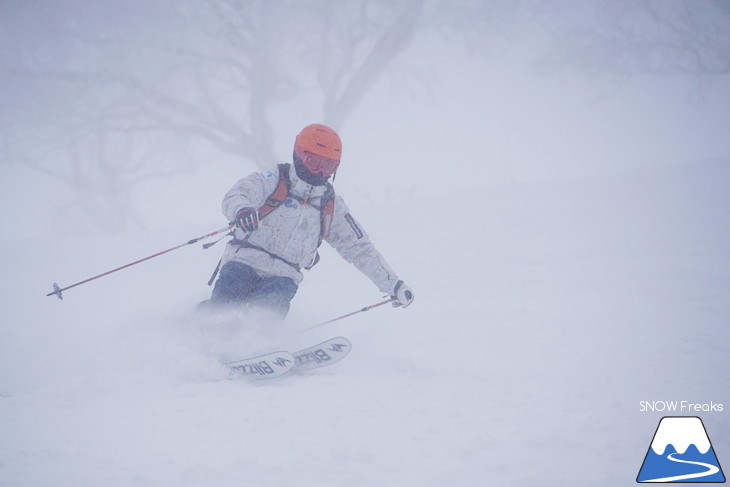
[551, 181]
[109, 102]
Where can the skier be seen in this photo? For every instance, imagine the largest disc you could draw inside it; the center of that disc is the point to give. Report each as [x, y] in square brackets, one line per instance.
[281, 218]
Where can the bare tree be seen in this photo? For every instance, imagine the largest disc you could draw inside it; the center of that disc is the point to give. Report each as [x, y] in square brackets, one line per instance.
[165, 77]
[354, 55]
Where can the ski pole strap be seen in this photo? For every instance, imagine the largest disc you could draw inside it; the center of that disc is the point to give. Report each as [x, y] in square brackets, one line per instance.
[210, 244]
[215, 272]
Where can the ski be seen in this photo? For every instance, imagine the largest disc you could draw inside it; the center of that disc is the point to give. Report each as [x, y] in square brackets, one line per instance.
[323, 354]
[276, 364]
[266, 366]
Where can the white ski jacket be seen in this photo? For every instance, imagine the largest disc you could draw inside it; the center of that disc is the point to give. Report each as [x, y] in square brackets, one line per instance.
[287, 238]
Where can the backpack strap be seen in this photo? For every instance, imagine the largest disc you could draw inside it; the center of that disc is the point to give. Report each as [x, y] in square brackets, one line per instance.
[326, 214]
[327, 211]
[280, 194]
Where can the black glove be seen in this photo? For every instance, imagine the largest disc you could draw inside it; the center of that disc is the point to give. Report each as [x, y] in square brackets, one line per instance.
[247, 219]
[402, 294]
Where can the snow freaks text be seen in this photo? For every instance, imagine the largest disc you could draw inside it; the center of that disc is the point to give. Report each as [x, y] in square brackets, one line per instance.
[680, 407]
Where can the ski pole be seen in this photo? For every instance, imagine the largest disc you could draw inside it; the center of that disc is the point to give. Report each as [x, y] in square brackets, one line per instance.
[366, 308]
[57, 290]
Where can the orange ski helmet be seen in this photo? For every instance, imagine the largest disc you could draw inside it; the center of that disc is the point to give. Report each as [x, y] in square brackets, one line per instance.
[319, 148]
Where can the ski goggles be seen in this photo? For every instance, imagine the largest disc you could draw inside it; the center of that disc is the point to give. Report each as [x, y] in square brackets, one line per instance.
[319, 164]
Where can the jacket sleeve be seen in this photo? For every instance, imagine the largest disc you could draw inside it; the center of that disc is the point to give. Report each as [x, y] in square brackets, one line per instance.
[353, 244]
[250, 191]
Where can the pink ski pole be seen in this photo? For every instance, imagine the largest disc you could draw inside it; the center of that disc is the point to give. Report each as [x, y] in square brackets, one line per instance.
[366, 308]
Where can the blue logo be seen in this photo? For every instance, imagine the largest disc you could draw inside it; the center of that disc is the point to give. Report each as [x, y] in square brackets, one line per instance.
[291, 203]
[681, 452]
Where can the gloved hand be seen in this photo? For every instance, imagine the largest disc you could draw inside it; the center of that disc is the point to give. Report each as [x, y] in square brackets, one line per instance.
[402, 294]
[247, 219]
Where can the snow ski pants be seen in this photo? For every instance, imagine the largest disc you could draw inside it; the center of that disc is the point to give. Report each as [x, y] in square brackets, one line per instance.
[239, 284]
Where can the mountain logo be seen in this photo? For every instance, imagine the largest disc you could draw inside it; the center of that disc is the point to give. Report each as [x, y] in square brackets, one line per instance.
[680, 452]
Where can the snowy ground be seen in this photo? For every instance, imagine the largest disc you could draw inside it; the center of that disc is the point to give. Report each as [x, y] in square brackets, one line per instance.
[544, 314]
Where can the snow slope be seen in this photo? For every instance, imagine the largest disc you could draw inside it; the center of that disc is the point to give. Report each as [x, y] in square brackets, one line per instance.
[544, 313]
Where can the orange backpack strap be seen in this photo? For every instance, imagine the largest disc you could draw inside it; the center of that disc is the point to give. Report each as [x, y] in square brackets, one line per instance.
[327, 212]
[280, 193]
